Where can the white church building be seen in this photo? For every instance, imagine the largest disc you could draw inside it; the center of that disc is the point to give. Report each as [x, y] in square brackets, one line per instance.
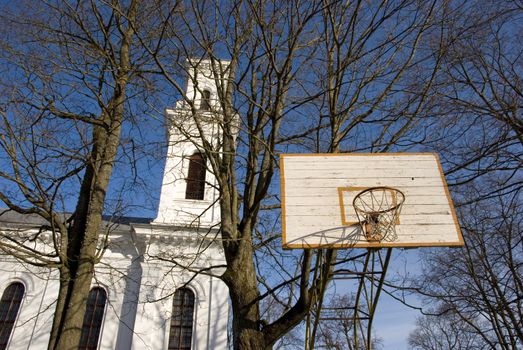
[147, 292]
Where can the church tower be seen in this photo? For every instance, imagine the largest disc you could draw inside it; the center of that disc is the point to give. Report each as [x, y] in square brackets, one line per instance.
[184, 237]
[189, 194]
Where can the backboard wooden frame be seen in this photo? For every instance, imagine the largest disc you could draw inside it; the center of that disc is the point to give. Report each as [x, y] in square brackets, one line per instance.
[335, 235]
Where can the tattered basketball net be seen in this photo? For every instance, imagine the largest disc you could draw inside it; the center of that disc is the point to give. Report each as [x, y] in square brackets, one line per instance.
[378, 210]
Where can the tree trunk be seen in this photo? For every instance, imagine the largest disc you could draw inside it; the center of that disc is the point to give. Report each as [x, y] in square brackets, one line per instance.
[87, 226]
[60, 306]
[241, 280]
[77, 293]
[89, 212]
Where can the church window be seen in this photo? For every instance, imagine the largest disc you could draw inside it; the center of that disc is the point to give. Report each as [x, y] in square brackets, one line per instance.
[93, 318]
[180, 334]
[9, 307]
[205, 104]
[196, 177]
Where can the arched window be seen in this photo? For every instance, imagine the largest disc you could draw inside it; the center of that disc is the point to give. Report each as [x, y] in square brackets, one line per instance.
[196, 177]
[9, 307]
[93, 318]
[180, 333]
[205, 104]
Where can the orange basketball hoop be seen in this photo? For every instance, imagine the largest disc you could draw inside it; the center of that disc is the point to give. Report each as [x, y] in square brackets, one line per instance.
[378, 210]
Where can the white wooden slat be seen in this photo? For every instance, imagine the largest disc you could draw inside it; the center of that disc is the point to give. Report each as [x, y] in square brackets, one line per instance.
[412, 208]
[326, 222]
[398, 164]
[330, 196]
[352, 173]
[433, 233]
[357, 157]
[342, 243]
[361, 182]
[335, 212]
[411, 191]
[347, 200]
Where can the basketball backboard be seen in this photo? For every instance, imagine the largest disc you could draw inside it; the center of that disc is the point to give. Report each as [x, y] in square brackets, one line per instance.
[318, 192]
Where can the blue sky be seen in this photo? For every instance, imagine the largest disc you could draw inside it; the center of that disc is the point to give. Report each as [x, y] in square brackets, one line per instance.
[394, 320]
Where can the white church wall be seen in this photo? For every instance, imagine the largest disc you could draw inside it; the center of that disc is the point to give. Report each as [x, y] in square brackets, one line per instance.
[186, 253]
[113, 274]
[35, 315]
[218, 315]
[33, 326]
[156, 299]
[139, 293]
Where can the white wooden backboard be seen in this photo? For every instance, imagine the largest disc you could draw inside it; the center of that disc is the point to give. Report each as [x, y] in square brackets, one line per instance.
[317, 191]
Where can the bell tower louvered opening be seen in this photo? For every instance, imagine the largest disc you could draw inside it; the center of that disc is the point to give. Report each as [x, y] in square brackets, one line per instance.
[196, 177]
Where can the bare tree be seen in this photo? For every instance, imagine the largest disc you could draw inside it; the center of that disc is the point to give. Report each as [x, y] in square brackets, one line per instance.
[322, 76]
[481, 284]
[444, 331]
[480, 112]
[70, 70]
[477, 114]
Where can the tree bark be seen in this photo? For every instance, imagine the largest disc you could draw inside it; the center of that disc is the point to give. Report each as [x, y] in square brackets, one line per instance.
[86, 229]
[89, 214]
[240, 277]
